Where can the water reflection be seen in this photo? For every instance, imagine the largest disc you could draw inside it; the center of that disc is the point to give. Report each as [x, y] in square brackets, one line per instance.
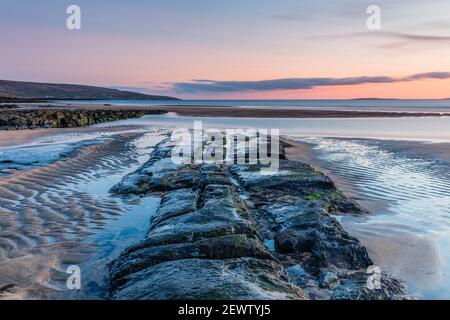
[406, 185]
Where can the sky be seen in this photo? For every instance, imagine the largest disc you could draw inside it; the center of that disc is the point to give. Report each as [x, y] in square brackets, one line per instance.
[246, 49]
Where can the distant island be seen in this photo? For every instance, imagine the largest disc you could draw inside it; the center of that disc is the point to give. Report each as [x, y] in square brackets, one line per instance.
[20, 91]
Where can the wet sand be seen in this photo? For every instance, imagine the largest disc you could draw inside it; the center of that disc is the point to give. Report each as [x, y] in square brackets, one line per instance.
[298, 151]
[47, 214]
[14, 138]
[43, 220]
[404, 240]
[27, 136]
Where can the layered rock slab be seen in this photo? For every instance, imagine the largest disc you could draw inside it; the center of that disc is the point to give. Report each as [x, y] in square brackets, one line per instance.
[202, 242]
[295, 210]
[213, 217]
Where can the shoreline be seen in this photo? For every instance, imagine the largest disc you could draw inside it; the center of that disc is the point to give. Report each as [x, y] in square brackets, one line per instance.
[38, 118]
[26, 137]
[242, 112]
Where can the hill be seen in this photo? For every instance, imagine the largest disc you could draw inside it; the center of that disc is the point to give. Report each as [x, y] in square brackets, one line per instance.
[20, 90]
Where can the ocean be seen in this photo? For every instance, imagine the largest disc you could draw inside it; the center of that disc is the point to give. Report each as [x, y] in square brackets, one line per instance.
[442, 105]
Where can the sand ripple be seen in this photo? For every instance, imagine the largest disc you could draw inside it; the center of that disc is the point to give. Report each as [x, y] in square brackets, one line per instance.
[407, 186]
[45, 214]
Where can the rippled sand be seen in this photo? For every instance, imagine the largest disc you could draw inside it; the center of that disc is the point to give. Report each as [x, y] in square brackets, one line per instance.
[60, 214]
[48, 212]
[406, 186]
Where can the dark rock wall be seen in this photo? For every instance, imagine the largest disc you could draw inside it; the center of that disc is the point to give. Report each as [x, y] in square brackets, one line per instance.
[30, 119]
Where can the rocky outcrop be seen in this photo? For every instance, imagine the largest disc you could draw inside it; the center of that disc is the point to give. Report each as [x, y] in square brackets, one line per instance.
[228, 232]
[203, 279]
[202, 243]
[13, 119]
[7, 106]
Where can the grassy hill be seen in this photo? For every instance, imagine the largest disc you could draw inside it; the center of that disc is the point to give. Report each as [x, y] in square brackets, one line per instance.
[19, 90]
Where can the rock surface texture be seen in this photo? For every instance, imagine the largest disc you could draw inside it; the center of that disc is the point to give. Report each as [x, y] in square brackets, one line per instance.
[227, 232]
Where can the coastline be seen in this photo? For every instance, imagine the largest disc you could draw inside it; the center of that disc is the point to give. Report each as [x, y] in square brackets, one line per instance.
[242, 112]
[23, 118]
[297, 149]
[225, 159]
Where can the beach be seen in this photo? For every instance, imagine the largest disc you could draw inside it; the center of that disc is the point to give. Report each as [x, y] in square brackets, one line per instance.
[57, 209]
[225, 159]
[404, 185]
[60, 213]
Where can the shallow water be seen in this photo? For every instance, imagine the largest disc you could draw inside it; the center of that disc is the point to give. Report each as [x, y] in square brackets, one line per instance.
[406, 187]
[435, 129]
[442, 105]
[61, 214]
[31, 156]
[49, 148]
[58, 212]
[405, 183]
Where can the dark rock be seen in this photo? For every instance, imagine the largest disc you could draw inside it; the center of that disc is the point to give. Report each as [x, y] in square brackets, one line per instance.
[289, 179]
[8, 106]
[227, 247]
[134, 183]
[328, 279]
[53, 118]
[323, 237]
[356, 288]
[200, 279]
[218, 219]
[174, 204]
[205, 239]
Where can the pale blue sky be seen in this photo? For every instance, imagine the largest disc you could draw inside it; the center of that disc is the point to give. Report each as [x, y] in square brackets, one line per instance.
[150, 44]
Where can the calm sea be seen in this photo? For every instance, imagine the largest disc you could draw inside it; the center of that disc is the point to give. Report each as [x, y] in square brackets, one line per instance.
[360, 104]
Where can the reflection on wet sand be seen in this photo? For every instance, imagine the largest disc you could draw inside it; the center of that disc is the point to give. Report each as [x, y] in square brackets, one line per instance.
[47, 213]
[405, 185]
[408, 255]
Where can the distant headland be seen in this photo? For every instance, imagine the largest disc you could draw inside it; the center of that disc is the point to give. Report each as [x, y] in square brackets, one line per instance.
[20, 91]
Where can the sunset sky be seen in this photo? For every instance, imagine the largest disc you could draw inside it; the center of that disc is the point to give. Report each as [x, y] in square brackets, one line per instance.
[210, 49]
